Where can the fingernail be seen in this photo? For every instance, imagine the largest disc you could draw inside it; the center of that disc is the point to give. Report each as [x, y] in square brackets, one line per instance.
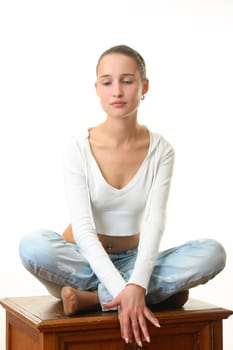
[148, 339]
[140, 344]
[127, 340]
[156, 323]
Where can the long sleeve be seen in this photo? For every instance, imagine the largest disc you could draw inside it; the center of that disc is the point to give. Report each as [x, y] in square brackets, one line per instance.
[77, 193]
[155, 216]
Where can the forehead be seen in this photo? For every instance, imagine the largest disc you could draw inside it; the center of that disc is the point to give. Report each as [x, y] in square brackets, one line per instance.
[115, 63]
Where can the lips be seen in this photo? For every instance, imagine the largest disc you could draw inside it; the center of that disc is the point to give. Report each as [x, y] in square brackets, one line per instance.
[118, 104]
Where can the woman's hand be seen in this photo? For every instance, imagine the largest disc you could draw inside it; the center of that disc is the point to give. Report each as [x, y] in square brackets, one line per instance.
[133, 314]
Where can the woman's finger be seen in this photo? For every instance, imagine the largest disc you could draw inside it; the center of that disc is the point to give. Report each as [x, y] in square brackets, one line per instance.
[135, 325]
[151, 317]
[143, 328]
[114, 302]
[128, 331]
[125, 326]
[121, 323]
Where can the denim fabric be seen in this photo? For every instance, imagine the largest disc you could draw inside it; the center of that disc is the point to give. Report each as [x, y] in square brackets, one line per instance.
[57, 263]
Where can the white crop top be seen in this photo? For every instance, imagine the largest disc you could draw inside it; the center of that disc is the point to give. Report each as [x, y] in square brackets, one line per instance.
[140, 206]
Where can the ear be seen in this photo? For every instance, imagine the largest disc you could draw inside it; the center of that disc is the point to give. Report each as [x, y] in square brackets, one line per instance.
[96, 88]
[145, 86]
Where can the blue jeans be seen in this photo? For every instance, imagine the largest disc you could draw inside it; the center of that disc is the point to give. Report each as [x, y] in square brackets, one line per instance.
[57, 263]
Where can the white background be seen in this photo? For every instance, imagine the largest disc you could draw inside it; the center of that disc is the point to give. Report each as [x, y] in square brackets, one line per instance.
[48, 55]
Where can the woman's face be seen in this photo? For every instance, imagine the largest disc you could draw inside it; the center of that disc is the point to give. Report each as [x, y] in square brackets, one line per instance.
[119, 85]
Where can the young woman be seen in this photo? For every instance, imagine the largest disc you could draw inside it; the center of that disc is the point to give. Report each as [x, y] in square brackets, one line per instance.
[117, 179]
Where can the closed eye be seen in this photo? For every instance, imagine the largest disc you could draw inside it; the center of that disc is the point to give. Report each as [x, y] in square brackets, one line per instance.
[127, 82]
[106, 83]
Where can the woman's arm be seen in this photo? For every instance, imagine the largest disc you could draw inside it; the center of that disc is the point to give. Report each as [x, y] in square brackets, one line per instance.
[84, 232]
[155, 217]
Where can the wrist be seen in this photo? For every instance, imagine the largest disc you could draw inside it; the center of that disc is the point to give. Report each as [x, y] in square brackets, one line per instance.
[136, 286]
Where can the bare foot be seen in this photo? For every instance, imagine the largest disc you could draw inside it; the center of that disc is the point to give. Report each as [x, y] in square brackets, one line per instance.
[75, 300]
[70, 300]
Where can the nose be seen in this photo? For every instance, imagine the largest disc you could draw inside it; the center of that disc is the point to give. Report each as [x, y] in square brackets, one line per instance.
[117, 90]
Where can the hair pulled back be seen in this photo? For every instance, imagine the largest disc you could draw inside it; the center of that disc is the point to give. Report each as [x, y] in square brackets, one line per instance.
[127, 51]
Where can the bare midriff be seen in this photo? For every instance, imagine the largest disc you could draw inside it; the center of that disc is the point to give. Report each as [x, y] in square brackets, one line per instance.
[112, 244]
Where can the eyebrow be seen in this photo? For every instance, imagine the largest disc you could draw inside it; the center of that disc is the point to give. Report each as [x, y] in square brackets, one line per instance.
[109, 75]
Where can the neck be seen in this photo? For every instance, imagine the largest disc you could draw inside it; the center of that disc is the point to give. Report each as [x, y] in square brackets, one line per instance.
[121, 131]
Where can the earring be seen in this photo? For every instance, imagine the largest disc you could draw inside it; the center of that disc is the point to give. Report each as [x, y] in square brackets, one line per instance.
[143, 97]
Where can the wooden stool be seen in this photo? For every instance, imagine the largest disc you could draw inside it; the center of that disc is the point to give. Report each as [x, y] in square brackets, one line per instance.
[38, 323]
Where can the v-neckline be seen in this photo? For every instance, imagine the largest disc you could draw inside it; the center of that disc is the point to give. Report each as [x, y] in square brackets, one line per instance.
[131, 181]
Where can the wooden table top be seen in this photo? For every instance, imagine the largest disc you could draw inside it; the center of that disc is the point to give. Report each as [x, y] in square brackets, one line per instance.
[46, 312]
